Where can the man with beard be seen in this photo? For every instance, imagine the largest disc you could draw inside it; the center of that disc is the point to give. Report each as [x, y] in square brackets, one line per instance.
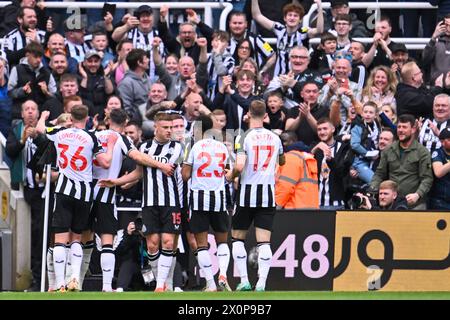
[182, 45]
[56, 45]
[17, 39]
[68, 86]
[331, 176]
[96, 83]
[383, 55]
[58, 65]
[408, 163]
[400, 56]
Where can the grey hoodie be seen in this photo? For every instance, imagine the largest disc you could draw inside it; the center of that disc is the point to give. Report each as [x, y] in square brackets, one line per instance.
[134, 91]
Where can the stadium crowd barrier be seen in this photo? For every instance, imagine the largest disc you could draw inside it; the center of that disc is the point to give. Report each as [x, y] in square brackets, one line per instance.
[353, 251]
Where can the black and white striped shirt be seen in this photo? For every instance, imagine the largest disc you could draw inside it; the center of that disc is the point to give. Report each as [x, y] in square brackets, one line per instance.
[324, 180]
[77, 51]
[16, 39]
[215, 80]
[257, 182]
[261, 49]
[30, 179]
[144, 41]
[285, 42]
[427, 138]
[207, 159]
[75, 150]
[159, 189]
[121, 149]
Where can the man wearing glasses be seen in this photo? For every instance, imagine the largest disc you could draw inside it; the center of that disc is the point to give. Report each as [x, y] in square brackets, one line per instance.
[339, 7]
[185, 43]
[291, 83]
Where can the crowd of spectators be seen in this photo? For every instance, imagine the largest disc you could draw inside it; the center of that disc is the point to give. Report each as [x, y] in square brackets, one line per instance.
[350, 115]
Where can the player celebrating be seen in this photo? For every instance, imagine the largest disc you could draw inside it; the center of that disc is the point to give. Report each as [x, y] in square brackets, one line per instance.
[256, 160]
[161, 200]
[76, 148]
[103, 213]
[206, 165]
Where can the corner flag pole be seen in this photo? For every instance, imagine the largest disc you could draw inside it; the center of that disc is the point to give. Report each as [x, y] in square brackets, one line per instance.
[48, 170]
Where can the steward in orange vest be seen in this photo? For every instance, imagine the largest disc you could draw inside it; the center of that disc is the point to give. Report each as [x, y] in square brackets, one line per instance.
[297, 184]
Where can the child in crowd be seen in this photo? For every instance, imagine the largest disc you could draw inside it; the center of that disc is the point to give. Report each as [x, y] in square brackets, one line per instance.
[100, 44]
[364, 141]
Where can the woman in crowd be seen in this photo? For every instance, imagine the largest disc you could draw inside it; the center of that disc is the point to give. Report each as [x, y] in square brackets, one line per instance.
[380, 87]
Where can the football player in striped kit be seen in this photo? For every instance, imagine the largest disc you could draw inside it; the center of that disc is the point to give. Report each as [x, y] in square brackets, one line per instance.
[76, 149]
[257, 154]
[161, 199]
[103, 216]
[205, 165]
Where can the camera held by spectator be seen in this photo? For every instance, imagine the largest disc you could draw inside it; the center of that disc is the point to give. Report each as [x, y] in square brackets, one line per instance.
[388, 198]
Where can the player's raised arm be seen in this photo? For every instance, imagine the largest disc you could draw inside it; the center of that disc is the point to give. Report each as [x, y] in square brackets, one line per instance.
[104, 159]
[265, 22]
[40, 127]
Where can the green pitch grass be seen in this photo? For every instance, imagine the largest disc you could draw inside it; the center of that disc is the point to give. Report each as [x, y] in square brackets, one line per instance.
[268, 295]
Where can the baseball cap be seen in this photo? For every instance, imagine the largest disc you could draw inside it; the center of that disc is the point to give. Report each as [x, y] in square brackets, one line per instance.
[445, 134]
[141, 9]
[399, 47]
[336, 3]
[92, 53]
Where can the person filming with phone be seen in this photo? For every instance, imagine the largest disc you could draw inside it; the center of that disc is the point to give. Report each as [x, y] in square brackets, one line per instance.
[340, 92]
[436, 52]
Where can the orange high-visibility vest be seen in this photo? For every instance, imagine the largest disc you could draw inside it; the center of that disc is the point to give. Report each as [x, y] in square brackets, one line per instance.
[297, 183]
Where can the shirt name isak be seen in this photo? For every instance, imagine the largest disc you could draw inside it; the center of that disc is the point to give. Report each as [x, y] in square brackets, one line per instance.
[206, 311]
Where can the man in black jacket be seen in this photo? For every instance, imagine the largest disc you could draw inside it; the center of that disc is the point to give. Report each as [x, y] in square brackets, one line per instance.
[68, 86]
[182, 45]
[21, 145]
[331, 173]
[388, 198]
[412, 96]
[8, 16]
[30, 80]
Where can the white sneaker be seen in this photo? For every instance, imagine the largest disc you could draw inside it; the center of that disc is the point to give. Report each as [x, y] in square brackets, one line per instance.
[178, 289]
[119, 290]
